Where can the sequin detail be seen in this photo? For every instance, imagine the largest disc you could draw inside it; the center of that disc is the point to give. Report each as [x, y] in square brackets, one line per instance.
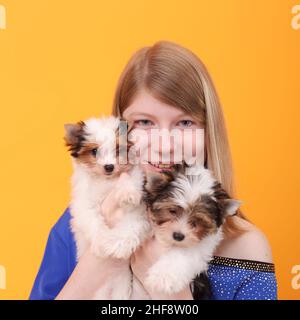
[238, 279]
[244, 264]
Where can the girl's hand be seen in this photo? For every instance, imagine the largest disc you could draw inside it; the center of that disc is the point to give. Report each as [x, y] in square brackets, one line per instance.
[90, 274]
[143, 258]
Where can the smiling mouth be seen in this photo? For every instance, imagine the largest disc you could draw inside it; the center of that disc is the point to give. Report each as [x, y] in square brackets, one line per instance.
[161, 165]
[168, 167]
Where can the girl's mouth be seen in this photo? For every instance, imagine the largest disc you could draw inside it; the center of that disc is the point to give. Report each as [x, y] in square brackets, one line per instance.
[163, 167]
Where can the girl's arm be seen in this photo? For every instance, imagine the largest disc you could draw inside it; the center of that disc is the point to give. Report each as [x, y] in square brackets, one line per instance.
[93, 272]
[90, 274]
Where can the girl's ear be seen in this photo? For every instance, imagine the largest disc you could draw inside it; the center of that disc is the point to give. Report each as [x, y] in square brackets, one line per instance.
[231, 206]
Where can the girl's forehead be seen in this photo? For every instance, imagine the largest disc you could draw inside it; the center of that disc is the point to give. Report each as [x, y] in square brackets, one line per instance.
[145, 104]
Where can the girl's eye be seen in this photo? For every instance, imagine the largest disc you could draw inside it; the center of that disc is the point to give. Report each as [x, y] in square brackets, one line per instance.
[94, 152]
[185, 123]
[143, 123]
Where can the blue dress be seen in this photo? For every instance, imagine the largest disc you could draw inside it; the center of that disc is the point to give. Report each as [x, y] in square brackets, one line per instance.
[230, 279]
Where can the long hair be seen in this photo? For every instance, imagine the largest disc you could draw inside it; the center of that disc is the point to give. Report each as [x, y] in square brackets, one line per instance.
[176, 76]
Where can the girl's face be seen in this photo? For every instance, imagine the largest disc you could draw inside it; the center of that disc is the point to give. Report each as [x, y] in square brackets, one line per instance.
[147, 113]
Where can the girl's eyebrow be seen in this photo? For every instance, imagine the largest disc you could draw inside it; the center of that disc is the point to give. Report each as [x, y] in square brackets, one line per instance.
[180, 115]
[184, 115]
[141, 114]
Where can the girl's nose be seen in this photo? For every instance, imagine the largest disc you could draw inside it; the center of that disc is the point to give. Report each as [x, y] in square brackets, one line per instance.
[163, 146]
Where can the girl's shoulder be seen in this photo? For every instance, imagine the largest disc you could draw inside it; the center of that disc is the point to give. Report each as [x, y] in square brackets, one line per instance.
[252, 244]
[58, 262]
[242, 267]
[62, 227]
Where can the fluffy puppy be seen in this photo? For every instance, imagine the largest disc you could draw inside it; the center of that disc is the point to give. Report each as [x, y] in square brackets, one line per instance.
[187, 213]
[95, 146]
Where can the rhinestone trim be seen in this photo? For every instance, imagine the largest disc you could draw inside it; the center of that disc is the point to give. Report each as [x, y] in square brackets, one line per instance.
[243, 264]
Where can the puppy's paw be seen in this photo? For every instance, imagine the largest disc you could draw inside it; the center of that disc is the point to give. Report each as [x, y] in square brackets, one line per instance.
[121, 248]
[134, 198]
[164, 281]
[129, 197]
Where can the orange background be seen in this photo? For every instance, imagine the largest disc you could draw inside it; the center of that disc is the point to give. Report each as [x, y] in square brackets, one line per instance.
[59, 63]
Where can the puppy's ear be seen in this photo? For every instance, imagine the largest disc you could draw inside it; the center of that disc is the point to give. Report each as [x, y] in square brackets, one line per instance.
[74, 136]
[231, 206]
[156, 182]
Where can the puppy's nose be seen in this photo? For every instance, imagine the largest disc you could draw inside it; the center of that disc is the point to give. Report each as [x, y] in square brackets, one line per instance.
[109, 167]
[178, 236]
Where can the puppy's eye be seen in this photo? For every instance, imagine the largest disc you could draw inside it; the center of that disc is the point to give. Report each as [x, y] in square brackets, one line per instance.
[173, 211]
[160, 222]
[94, 152]
[194, 224]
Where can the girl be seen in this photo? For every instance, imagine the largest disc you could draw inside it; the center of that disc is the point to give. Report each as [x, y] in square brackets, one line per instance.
[166, 86]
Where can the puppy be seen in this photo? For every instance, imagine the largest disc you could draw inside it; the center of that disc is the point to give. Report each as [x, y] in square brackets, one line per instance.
[95, 146]
[187, 213]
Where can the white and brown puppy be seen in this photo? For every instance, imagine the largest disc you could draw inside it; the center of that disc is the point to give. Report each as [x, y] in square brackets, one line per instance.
[187, 214]
[94, 145]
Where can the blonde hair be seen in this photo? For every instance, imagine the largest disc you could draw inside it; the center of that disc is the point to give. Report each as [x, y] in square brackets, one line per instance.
[176, 76]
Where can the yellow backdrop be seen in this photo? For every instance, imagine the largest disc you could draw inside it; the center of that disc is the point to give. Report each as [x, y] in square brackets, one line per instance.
[60, 61]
